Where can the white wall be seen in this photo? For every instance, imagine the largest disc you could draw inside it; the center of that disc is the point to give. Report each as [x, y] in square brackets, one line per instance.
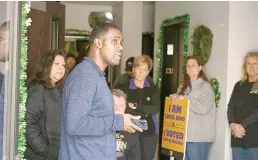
[117, 11]
[243, 37]
[148, 17]
[205, 13]
[132, 30]
[3, 14]
[77, 15]
[39, 5]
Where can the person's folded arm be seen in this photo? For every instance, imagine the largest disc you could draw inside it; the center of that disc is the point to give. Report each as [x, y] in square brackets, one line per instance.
[230, 111]
[253, 118]
[150, 109]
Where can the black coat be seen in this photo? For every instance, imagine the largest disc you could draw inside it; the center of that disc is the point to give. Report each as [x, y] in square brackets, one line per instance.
[148, 103]
[43, 118]
[243, 109]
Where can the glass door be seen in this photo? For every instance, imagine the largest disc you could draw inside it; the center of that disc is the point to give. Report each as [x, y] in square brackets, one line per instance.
[10, 48]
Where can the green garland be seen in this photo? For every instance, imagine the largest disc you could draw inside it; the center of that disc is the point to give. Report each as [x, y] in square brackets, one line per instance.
[148, 33]
[215, 84]
[202, 46]
[202, 43]
[165, 23]
[23, 77]
[77, 31]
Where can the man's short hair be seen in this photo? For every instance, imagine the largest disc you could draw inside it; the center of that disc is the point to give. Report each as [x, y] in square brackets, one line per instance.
[5, 25]
[70, 55]
[100, 29]
[119, 93]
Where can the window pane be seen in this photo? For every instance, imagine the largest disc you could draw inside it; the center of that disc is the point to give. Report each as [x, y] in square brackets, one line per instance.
[4, 36]
[9, 77]
[55, 30]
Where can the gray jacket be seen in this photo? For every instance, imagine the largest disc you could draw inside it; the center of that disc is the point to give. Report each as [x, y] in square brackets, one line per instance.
[202, 111]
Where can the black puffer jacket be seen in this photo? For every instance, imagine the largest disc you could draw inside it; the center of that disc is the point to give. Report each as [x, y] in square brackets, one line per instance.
[43, 118]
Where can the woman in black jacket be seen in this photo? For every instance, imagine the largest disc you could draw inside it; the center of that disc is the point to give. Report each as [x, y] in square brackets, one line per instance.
[143, 99]
[43, 108]
[243, 112]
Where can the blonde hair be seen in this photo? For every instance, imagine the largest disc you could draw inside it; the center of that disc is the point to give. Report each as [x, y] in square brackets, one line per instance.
[119, 93]
[245, 75]
[144, 59]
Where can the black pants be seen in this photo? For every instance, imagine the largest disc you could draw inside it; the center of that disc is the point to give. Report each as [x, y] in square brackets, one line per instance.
[132, 151]
[134, 154]
[148, 146]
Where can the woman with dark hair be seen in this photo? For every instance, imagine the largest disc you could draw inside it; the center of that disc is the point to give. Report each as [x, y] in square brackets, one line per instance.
[43, 108]
[202, 112]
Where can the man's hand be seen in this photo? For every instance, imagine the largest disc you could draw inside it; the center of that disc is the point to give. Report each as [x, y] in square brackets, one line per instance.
[129, 126]
[238, 130]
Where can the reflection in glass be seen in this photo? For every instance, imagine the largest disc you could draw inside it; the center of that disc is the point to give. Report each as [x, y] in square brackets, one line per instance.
[54, 35]
[10, 12]
[100, 17]
[4, 33]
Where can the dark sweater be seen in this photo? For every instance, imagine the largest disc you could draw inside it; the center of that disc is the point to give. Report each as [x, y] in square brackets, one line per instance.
[124, 78]
[148, 103]
[243, 109]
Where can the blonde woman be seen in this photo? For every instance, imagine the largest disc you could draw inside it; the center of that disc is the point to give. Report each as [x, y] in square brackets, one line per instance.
[143, 99]
[243, 112]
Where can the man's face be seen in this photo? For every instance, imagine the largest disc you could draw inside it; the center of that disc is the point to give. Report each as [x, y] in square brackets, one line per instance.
[4, 35]
[111, 49]
[70, 62]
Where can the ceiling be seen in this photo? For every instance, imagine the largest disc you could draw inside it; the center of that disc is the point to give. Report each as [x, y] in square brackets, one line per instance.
[99, 3]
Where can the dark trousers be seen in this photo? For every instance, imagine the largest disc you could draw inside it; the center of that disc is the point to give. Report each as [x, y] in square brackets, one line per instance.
[132, 154]
[148, 146]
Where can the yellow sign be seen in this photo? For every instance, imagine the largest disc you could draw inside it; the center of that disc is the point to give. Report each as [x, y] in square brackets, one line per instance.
[175, 125]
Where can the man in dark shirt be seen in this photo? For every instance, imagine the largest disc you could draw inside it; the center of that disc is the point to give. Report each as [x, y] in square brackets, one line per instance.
[89, 122]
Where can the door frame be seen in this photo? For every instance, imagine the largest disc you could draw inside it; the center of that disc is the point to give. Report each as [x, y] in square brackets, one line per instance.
[168, 22]
[12, 87]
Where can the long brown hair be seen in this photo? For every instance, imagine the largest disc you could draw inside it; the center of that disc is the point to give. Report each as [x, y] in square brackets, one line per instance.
[43, 69]
[245, 75]
[187, 78]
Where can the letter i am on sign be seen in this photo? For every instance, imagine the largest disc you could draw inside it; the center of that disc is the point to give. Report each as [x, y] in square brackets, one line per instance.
[175, 109]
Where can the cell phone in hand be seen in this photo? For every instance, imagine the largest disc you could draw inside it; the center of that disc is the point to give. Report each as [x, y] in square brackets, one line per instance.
[142, 123]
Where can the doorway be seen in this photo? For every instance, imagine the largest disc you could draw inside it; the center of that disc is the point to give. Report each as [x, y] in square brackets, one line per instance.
[147, 47]
[172, 72]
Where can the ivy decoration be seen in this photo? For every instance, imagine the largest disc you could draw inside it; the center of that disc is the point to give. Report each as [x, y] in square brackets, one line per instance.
[202, 43]
[148, 33]
[215, 85]
[165, 23]
[77, 31]
[23, 78]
